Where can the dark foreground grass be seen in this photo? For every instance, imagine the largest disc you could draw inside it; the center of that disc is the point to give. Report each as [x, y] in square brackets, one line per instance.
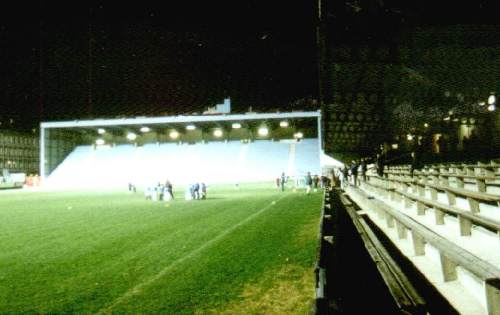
[247, 251]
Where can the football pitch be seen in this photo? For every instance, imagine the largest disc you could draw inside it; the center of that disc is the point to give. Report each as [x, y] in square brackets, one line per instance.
[246, 251]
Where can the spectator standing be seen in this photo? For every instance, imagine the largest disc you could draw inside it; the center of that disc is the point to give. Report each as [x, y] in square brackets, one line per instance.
[196, 191]
[148, 194]
[131, 188]
[354, 172]
[190, 192]
[315, 180]
[282, 181]
[474, 144]
[203, 191]
[465, 144]
[308, 181]
[345, 176]
[160, 191]
[416, 162]
[363, 169]
[380, 164]
[441, 144]
[169, 189]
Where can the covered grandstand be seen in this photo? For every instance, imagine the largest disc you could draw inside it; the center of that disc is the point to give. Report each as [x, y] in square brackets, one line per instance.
[210, 148]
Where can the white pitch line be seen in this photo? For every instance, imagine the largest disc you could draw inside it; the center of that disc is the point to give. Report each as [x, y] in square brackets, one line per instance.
[137, 289]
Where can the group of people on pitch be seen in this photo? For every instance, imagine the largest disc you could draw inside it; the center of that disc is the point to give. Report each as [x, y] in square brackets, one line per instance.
[196, 191]
[160, 192]
[310, 181]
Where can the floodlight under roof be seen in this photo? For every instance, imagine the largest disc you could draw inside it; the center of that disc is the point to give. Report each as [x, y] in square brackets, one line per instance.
[492, 99]
[101, 131]
[284, 123]
[100, 141]
[218, 133]
[236, 125]
[298, 135]
[131, 136]
[263, 131]
[190, 127]
[174, 134]
[145, 129]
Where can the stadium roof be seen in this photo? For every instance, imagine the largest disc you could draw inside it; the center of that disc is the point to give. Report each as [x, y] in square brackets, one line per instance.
[176, 119]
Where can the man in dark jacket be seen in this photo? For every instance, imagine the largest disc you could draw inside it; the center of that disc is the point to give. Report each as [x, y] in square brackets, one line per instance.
[315, 181]
[363, 169]
[169, 189]
[354, 172]
[416, 162]
[282, 181]
[308, 181]
[380, 164]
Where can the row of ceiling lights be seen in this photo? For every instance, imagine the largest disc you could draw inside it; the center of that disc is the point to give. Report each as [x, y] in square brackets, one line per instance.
[174, 134]
[236, 125]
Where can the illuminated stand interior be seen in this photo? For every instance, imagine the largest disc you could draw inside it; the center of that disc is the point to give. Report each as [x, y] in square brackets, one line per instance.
[211, 148]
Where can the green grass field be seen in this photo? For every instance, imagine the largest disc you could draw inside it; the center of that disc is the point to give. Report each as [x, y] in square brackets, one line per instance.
[250, 251]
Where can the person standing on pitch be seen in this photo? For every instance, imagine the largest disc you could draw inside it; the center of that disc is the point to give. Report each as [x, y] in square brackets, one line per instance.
[315, 180]
[169, 189]
[282, 181]
[203, 191]
[308, 181]
[196, 191]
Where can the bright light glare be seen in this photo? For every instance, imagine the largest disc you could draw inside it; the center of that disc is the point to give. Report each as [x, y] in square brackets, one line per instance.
[263, 131]
[236, 125]
[491, 107]
[101, 131]
[284, 123]
[482, 103]
[131, 136]
[190, 127]
[492, 99]
[218, 133]
[409, 137]
[426, 125]
[174, 134]
[298, 135]
[145, 129]
[99, 141]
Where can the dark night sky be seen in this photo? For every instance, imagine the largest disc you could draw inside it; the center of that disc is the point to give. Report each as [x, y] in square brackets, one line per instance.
[149, 57]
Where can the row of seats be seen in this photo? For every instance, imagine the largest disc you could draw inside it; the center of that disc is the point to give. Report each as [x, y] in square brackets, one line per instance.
[453, 209]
